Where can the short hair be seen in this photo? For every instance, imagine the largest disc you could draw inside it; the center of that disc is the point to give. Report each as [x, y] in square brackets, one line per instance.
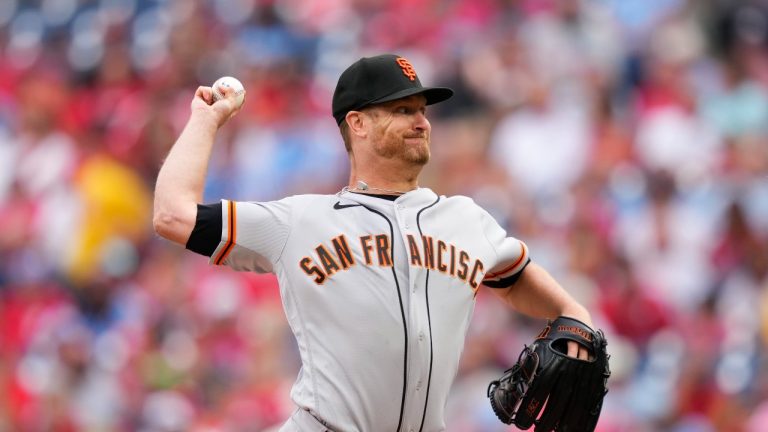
[345, 135]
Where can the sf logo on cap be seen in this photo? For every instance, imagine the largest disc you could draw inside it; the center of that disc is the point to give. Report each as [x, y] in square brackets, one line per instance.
[407, 68]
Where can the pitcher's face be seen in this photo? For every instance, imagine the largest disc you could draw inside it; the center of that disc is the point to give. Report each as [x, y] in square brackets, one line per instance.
[401, 129]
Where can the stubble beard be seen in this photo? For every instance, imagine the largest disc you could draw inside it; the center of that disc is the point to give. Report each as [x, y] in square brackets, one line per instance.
[392, 146]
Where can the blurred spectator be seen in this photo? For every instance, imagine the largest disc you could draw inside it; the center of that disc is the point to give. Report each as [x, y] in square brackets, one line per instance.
[625, 141]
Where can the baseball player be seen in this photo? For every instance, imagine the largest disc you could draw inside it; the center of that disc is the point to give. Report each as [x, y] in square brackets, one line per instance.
[379, 280]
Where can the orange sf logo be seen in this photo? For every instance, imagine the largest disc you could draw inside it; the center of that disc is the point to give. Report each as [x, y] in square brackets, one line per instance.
[407, 68]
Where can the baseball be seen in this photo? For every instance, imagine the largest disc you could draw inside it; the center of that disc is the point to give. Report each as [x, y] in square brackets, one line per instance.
[232, 82]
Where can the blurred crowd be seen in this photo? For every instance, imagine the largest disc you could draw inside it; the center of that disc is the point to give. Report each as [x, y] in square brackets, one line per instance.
[626, 141]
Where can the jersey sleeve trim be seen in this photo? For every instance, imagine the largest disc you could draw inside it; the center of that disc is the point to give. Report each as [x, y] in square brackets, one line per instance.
[506, 281]
[231, 233]
[510, 269]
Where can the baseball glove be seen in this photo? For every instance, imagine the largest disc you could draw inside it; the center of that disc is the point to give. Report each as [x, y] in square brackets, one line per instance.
[568, 390]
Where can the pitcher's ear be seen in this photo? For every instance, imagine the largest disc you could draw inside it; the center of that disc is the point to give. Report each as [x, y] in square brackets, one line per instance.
[356, 122]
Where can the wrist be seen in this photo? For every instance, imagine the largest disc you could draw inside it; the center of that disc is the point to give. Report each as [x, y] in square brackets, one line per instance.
[578, 312]
[205, 118]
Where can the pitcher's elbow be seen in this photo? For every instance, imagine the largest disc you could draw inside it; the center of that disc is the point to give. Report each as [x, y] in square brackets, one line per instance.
[174, 221]
[166, 225]
[161, 221]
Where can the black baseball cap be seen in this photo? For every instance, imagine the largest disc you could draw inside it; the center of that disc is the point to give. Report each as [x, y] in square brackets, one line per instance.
[378, 79]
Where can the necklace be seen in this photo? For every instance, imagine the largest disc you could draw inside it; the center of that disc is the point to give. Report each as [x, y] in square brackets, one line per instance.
[363, 187]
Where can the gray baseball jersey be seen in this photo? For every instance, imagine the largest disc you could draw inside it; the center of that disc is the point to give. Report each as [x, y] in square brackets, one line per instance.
[378, 293]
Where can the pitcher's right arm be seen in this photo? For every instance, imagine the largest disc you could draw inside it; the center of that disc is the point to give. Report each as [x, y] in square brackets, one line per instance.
[181, 179]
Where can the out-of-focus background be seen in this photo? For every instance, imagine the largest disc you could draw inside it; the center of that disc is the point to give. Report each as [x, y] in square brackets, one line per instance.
[626, 141]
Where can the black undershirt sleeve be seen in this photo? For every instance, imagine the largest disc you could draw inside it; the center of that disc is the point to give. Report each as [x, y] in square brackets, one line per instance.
[507, 282]
[206, 235]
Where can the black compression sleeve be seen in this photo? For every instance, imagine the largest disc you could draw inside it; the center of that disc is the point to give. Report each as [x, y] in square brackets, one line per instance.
[206, 235]
[507, 282]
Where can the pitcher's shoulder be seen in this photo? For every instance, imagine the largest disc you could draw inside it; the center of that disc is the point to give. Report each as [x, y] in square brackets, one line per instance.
[310, 199]
[461, 201]
[297, 204]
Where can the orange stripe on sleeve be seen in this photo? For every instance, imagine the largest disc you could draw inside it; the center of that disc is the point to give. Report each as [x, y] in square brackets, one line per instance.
[523, 255]
[231, 234]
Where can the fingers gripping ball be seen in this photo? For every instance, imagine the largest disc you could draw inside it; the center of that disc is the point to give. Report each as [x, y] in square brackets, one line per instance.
[551, 390]
[232, 83]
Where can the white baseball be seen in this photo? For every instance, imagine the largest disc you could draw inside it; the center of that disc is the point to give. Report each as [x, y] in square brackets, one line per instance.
[232, 82]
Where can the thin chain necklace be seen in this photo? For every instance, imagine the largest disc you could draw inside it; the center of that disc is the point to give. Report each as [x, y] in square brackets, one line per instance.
[363, 187]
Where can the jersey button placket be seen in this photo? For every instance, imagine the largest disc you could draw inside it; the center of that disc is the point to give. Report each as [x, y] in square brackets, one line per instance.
[402, 217]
